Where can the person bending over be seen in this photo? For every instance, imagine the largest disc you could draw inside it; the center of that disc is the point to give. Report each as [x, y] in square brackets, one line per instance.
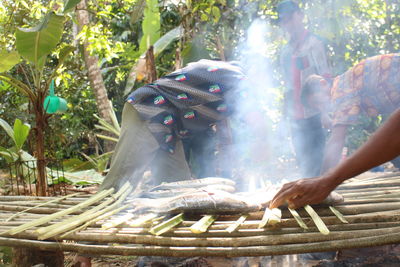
[383, 146]
[371, 87]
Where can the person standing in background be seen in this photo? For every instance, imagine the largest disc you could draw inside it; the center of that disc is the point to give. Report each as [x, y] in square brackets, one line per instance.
[304, 54]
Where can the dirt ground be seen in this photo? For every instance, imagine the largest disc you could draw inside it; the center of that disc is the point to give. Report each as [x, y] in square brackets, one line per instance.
[120, 261]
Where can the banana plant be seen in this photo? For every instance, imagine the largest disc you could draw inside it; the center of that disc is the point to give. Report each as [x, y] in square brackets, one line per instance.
[34, 45]
[18, 134]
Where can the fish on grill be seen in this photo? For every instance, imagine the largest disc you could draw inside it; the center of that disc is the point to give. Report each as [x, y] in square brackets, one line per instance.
[196, 183]
[199, 202]
[179, 191]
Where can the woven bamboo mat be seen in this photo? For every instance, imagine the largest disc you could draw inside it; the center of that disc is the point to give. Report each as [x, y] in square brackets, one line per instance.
[371, 207]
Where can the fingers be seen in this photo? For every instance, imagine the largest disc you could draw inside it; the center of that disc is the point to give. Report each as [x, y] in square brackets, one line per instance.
[298, 202]
[287, 192]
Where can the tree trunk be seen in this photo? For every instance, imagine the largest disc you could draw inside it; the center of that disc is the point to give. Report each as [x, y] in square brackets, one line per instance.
[30, 257]
[94, 71]
[41, 184]
[151, 72]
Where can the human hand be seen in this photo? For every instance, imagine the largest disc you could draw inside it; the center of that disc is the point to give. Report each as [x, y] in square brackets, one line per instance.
[302, 192]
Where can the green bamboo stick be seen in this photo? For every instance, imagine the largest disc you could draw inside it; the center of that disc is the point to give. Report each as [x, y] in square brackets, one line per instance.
[64, 226]
[106, 203]
[317, 220]
[298, 219]
[142, 220]
[117, 221]
[202, 225]
[101, 217]
[270, 217]
[233, 227]
[99, 196]
[167, 225]
[42, 204]
[338, 214]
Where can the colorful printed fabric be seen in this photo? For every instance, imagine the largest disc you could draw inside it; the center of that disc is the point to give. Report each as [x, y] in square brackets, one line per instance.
[299, 60]
[372, 86]
[188, 100]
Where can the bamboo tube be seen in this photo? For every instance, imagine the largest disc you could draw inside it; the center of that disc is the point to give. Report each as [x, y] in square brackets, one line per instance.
[43, 204]
[53, 216]
[207, 251]
[58, 228]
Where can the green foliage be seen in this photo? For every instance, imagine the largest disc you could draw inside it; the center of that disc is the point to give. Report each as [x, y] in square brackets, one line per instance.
[5, 256]
[8, 60]
[150, 25]
[18, 134]
[120, 31]
[34, 44]
[70, 4]
[21, 132]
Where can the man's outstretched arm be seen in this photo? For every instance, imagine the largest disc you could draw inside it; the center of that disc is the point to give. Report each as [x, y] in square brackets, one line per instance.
[383, 146]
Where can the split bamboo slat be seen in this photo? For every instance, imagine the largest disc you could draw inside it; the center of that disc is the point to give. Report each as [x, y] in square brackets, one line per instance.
[104, 224]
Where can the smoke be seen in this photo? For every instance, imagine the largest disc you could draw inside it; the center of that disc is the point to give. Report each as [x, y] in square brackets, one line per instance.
[261, 139]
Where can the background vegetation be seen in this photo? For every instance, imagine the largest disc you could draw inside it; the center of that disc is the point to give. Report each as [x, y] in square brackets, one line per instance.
[118, 32]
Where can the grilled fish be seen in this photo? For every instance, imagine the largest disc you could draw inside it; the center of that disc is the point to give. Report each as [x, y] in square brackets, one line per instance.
[179, 191]
[197, 183]
[199, 202]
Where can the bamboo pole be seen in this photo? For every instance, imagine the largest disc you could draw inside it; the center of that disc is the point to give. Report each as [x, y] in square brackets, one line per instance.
[368, 201]
[53, 216]
[97, 235]
[246, 241]
[394, 183]
[34, 198]
[29, 205]
[42, 204]
[69, 224]
[252, 251]
[95, 219]
[105, 203]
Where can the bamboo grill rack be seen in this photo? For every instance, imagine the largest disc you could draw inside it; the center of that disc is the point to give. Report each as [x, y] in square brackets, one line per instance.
[371, 207]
